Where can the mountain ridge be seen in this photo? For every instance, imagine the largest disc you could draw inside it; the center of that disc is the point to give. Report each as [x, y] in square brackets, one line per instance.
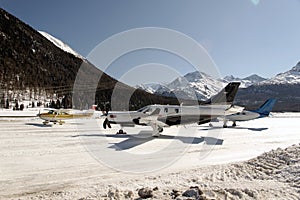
[198, 84]
[254, 90]
[30, 62]
[195, 85]
[291, 76]
[60, 44]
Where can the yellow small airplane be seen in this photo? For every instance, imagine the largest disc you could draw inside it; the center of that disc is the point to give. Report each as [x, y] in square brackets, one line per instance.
[58, 116]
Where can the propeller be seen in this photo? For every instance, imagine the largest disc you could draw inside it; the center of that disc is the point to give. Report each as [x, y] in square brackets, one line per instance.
[39, 114]
[106, 123]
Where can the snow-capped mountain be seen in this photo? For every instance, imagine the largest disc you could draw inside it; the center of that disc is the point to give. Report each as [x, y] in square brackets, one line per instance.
[289, 77]
[245, 82]
[285, 87]
[60, 44]
[149, 87]
[198, 84]
[193, 85]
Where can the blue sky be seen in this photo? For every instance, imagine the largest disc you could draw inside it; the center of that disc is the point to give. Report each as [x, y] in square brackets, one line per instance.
[242, 37]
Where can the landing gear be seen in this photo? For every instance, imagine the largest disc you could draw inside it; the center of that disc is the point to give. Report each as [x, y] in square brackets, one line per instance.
[60, 122]
[234, 124]
[121, 132]
[225, 124]
[160, 129]
[156, 130]
[210, 125]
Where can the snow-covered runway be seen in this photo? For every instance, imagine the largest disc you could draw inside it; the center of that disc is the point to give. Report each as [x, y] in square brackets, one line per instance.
[35, 157]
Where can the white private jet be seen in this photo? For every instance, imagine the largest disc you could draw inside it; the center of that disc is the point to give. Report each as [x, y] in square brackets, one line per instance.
[246, 115]
[160, 116]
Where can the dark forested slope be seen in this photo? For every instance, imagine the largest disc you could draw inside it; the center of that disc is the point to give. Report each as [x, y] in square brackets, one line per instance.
[30, 61]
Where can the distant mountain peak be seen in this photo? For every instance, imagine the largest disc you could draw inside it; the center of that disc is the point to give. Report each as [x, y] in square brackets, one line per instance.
[194, 75]
[231, 78]
[254, 78]
[190, 86]
[245, 82]
[291, 76]
[297, 67]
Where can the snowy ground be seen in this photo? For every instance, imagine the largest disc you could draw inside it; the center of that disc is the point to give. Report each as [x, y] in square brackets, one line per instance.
[81, 160]
[5, 114]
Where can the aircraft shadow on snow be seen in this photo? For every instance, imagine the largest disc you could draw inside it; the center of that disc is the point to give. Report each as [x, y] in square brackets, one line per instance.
[50, 125]
[143, 137]
[241, 128]
[38, 125]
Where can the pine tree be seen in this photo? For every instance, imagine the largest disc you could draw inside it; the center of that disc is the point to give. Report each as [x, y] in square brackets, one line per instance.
[58, 104]
[7, 104]
[16, 104]
[2, 102]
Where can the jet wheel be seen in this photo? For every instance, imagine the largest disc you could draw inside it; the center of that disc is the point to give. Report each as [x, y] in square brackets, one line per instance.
[121, 132]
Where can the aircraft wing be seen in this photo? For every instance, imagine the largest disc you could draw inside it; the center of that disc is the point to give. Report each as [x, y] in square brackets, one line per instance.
[229, 111]
[234, 109]
[153, 119]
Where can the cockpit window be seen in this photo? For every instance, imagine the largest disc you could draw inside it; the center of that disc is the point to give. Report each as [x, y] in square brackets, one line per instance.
[145, 110]
[142, 109]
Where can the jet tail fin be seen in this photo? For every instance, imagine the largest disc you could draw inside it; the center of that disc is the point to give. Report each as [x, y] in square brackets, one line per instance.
[226, 95]
[266, 108]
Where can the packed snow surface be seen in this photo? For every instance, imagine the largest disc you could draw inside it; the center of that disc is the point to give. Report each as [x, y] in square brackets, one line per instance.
[81, 160]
